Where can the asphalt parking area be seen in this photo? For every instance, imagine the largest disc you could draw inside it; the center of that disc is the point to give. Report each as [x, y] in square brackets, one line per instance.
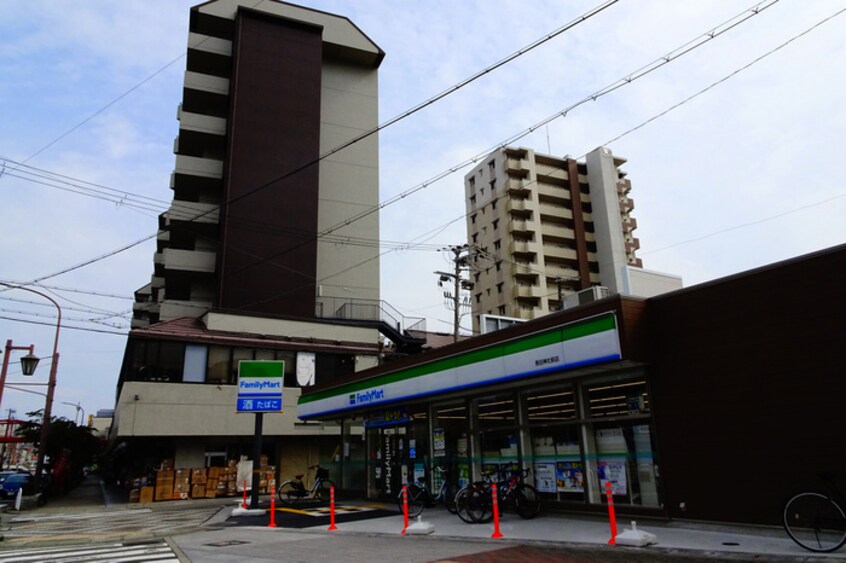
[307, 517]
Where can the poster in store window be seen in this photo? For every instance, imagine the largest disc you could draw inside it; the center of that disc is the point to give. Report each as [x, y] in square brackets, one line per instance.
[439, 438]
[570, 476]
[615, 472]
[545, 477]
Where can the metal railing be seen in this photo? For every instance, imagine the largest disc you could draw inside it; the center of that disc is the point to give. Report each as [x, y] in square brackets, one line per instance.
[372, 310]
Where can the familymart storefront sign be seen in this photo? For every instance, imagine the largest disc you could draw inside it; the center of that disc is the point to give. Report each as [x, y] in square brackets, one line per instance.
[577, 344]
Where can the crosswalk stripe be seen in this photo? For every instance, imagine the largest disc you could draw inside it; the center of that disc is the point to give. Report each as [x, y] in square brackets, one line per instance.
[112, 553]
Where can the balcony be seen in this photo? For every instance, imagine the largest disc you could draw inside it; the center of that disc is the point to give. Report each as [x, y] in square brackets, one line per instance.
[193, 211]
[559, 252]
[517, 188]
[521, 206]
[209, 44]
[521, 226]
[558, 231]
[175, 309]
[194, 166]
[527, 292]
[524, 247]
[201, 123]
[174, 259]
[516, 167]
[206, 83]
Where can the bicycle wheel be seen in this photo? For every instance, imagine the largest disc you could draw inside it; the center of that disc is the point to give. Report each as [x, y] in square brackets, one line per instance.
[461, 498]
[289, 493]
[526, 501]
[815, 522]
[479, 506]
[324, 491]
[417, 497]
[449, 497]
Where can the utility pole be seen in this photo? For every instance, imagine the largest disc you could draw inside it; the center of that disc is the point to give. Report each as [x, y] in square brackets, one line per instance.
[460, 259]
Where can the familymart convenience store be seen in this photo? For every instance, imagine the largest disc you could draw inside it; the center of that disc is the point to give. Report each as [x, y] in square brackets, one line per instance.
[566, 396]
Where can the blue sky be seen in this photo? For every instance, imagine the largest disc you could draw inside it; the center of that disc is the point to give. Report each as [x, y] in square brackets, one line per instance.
[738, 177]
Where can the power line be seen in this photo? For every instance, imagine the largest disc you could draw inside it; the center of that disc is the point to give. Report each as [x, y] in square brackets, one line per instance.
[587, 15]
[64, 327]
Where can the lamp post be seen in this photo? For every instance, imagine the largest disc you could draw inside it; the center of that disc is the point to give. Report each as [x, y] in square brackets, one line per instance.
[78, 407]
[51, 385]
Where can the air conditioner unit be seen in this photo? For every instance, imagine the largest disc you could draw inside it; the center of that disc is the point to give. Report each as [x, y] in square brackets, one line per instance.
[593, 293]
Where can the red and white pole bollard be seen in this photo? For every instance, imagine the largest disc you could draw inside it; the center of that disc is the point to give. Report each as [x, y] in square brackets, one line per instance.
[404, 508]
[495, 498]
[244, 506]
[610, 495]
[272, 512]
[332, 525]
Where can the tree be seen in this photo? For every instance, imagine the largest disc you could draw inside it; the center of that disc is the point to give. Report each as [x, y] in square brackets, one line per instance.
[69, 447]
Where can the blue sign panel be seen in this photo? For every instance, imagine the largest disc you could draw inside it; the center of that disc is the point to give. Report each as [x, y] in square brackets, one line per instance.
[259, 405]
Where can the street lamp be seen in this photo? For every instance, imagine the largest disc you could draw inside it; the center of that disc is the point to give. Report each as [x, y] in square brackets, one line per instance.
[28, 363]
[51, 384]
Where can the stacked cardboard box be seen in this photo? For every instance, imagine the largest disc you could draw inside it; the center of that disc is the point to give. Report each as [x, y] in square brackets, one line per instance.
[147, 494]
[198, 482]
[182, 484]
[164, 484]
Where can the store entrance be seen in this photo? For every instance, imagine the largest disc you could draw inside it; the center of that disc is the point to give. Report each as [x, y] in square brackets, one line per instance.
[398, 453]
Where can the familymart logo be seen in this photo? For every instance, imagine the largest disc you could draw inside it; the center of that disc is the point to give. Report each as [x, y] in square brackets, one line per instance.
[366, 397]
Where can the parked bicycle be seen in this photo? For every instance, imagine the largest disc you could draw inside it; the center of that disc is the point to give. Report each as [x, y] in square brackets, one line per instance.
[420, 497]
[817, 521]
[294, 492]
[475, 502]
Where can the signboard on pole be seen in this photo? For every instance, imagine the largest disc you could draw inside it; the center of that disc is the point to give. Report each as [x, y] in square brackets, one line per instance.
[260, 385]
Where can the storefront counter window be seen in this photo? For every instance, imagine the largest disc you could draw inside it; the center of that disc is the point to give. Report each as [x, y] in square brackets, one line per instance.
[498, 434]
[556, 454]
[451, 447]
[622, 441]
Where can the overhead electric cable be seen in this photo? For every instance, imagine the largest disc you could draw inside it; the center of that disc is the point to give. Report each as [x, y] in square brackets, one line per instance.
[586, 16]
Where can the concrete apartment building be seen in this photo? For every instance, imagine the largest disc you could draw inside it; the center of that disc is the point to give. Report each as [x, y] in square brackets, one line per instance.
[247, 265]
[546, 227]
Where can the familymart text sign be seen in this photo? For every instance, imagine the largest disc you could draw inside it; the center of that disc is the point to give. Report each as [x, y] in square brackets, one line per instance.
[260, 386]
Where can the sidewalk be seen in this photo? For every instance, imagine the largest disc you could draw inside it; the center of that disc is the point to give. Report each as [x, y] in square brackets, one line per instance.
[560, 530]
[555, 529]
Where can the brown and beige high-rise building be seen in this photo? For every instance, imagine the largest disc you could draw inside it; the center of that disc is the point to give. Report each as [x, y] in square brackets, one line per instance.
[544, 227]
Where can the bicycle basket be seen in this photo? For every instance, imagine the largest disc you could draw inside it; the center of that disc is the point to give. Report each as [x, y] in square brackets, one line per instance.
[322, 473]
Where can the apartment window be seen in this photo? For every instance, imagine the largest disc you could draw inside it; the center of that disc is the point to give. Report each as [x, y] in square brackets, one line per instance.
[492, 166]
[482, 191]
[196, 360]
[475, 238]
[499, 287]
[488, 291]
[501, 309]
[218, 366]
[477, 275]
[478, 298]
[497, 245]
[472, 200]
[495, 224]
[498, 266]
[473, 219]
[472, 182]
[493, 204]
[493, 185]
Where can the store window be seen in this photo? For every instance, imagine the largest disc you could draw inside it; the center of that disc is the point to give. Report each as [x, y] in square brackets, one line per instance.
[556, 454]
[623, 441]
[498, 434]
[451, 447]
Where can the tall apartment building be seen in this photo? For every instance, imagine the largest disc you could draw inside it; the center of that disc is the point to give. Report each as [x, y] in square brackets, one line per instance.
[546, 227]
[246, 266]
